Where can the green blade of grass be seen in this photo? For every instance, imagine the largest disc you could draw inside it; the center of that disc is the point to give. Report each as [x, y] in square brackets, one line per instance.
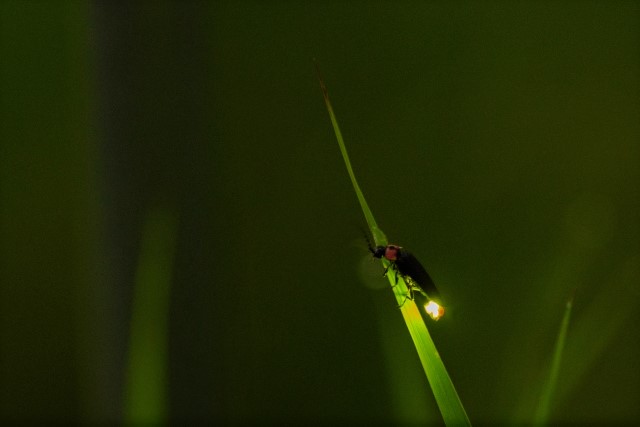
[603, 318]
[379, 237]
[544, 406]
[145, 400]
[449, 403]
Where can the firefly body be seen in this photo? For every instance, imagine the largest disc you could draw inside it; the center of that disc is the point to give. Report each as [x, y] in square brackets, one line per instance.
[409, 268]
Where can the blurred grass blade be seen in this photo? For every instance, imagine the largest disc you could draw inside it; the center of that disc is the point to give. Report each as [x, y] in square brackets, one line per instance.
[449, 403]
[544, 406]
[602, 320]
[146, 377]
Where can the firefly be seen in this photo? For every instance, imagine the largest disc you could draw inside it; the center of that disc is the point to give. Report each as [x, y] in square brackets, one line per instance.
[413, 273]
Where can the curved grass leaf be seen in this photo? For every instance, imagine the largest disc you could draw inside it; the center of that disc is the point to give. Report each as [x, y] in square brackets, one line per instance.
[542, 413]
[449, 403]
[145, 399]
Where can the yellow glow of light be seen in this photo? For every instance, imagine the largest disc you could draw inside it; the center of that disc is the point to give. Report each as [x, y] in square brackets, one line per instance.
[434, 310]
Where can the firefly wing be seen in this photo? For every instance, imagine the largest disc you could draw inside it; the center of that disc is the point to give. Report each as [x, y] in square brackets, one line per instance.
[408, 265]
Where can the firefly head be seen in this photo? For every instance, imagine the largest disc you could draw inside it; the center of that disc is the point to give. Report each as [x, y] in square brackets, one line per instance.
[379, 251]
[390, 252]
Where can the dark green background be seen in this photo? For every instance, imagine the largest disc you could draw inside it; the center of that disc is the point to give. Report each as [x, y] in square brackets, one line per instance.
[499, 141]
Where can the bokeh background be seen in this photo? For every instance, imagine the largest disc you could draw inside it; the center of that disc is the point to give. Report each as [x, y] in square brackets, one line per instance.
[180, 241]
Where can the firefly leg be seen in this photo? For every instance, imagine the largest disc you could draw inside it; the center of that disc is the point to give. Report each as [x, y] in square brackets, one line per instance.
[392, 266]
[409, 296]
[405, 300]
[384, 273]
[410, 290]
[393, 269]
